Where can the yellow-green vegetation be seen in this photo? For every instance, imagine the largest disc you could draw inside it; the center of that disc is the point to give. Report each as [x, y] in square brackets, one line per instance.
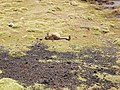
[9, 84]
[109, 77]
[50, 60]
[82, 79]
[17, 53]
[32, 19]
[113, 78]
[116, 67]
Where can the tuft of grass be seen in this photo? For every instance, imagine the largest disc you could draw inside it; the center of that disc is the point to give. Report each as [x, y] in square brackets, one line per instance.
[82, 79]
[117, 41]
[16, 53]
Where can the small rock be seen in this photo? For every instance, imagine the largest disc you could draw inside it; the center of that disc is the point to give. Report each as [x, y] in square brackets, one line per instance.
[54, 57]
[11, 24]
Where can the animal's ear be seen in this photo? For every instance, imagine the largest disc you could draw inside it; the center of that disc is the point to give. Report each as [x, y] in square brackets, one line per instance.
[47, 33]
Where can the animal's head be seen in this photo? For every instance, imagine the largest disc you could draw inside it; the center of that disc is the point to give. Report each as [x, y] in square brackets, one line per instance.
[47, 36]
[69, 38]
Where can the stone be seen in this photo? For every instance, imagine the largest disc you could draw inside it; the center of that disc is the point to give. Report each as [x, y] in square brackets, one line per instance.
[11, 24]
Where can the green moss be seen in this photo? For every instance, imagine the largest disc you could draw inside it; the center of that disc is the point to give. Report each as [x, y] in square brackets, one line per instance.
[9, 84]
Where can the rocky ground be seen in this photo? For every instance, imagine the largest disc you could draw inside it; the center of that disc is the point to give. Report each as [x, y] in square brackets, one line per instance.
[89, 61]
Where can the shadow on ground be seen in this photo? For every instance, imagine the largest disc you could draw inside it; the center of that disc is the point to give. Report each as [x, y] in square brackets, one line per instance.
[30, 69]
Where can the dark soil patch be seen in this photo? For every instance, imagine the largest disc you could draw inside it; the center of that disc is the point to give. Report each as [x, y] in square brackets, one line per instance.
[28, 70]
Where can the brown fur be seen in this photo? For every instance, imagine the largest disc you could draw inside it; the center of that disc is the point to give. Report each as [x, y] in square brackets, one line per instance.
[56, 36]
